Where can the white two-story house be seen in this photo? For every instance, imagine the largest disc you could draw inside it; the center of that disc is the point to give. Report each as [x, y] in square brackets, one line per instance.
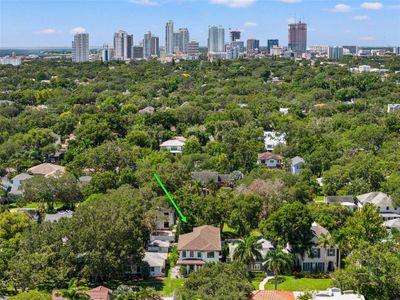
[322, 259]
[199, 247]
[272, 139]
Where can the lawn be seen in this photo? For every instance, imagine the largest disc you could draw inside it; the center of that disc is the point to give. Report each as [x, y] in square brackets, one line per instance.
[256, 278]
[166, 285]
[301, 284]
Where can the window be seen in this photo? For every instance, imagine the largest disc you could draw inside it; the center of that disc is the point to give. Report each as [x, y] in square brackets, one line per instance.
[210, 254]
[307, 267]
[387, 207]
[183, 253]
[331, 252]
[316, 252]
[198, 254]
[271, 161]
[257, 267]
[191, 253]
[151, 269]
[166, 224]
[320, 267]
[166, 214]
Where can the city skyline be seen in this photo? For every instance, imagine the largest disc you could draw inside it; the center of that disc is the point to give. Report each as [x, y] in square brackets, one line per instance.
[53, 24]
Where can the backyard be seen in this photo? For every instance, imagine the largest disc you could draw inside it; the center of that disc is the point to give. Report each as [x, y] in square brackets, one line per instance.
[166, 285]
[301, 284]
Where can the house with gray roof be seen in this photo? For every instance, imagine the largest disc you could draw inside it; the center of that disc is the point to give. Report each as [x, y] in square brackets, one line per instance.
[383, 201]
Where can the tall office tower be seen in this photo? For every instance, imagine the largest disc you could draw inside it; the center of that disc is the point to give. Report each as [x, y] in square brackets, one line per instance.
[234, 35]
[335, 52]
[106, 53]
[137, 52]
[193, 50]
[396, 50]
[155, 46]
[216, 39]
[351, 49]
[80, 47]
[297, 37]
[169, 37]
[183, 39]
[129, 45]
[271, 44]
[177, 42]
[122, 45]
[253, 46]
[147, 44]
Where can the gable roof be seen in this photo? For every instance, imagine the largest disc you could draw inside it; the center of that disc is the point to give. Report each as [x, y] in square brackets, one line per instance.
[268, 155]
[47, 169]
[377, 198]
[272, 295]
[318, 230]
[395, 223]
[203, 238]
[22, 176]
[99, 293]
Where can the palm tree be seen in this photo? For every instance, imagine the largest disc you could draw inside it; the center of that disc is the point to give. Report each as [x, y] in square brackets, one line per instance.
[247, 250]
[279, 261]
[325, 241]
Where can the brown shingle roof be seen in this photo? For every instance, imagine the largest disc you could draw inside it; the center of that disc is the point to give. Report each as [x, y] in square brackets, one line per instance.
[272, 295]
[99, 293]
[203, 238]
[268, 155]
[47, 169]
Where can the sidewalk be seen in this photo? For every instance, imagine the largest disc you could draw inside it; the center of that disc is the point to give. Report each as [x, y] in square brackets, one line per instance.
[265, 280]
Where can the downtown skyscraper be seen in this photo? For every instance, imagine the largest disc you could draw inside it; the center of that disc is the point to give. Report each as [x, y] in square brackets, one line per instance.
[216, 39]
[169, 37]
[297, 37]
[123, 43]
[80, 47]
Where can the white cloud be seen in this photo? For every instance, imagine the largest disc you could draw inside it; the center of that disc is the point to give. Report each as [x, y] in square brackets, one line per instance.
[372, 5]
[46, 31]
[250, 24]
[145, 2]
[234, 3]
[290, 1]
[366, 38]
[77, 30]
[360, 18]
[342, 8]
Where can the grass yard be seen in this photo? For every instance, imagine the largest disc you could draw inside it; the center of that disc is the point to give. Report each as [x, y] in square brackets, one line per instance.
[166, 285]
[301, 284]
[256, 278]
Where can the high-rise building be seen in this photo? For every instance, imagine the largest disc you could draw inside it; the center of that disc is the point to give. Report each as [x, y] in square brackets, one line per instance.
[183, 39]
[169, 37]
[129, 45]
[80, 47]
[271, 44]
[137, 52]
[177, 42]
[239, 44]
[396, 50]
[253, 46]
[351, 49]
[155, 46]
[106, 53]
[123, 43]
[216, 39]
[234, 35]
[147, 45]
[335, 52]
[193, 50]
[297, 37]
[232, 52]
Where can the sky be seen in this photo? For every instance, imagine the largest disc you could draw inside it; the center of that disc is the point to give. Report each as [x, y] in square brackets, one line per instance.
[51, 23]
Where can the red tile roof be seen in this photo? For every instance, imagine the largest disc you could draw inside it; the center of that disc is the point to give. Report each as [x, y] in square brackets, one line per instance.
[272, 295]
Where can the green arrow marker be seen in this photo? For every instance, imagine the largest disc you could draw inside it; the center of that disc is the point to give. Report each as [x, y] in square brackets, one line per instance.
[183, 218]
